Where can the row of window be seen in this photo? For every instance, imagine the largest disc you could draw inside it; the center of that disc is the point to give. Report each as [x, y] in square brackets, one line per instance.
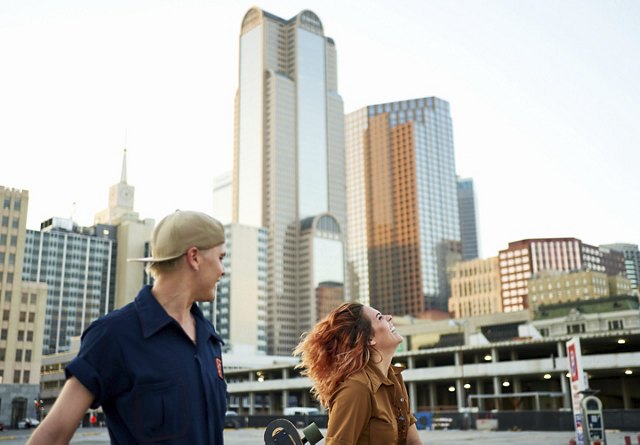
[15, 222]
[21, 335]
[31, 316]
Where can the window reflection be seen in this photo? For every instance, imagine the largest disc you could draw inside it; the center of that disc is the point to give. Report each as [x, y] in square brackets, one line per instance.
[328, 273]
[312, 126]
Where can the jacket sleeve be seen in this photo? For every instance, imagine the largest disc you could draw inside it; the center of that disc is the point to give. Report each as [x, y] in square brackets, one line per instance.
[349, 414]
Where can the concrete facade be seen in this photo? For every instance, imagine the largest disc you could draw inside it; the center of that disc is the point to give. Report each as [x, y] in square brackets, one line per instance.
[475, 288]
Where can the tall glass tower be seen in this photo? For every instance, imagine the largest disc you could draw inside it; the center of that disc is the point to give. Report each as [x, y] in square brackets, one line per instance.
[289, 173]
[468, 219]
[403, 209]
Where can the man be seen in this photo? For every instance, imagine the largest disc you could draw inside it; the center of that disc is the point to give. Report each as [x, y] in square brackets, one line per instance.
[155, 365]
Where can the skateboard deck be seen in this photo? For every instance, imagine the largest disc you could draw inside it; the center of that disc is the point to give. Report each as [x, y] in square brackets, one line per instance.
[283, 432]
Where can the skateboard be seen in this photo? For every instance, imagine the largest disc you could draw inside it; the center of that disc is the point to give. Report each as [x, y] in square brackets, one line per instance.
[283, 432]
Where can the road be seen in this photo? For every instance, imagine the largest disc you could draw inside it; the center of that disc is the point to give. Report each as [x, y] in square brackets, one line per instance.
[253, 436]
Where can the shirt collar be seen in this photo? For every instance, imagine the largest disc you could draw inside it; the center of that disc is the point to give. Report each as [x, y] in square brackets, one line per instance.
[377, 378]
[153, 317]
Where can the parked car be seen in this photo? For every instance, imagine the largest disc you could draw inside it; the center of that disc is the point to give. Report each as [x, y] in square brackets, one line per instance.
[1, 426]
[231, 420]
[28, 422]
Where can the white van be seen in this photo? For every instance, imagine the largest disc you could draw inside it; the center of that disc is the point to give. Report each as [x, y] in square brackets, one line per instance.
[300, 411]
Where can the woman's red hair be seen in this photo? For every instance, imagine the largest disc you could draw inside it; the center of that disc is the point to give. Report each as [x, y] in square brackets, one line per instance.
[334, 349]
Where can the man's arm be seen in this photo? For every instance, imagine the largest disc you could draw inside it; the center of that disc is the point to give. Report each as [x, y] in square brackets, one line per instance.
[65, 415]
[413, 438]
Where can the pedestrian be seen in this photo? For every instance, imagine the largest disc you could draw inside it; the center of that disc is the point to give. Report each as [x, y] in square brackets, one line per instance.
[93, 420]
[348, 357]
[155, 365]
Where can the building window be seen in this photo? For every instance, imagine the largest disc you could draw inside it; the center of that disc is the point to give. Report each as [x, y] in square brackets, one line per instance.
[18, 355]
[16, 376]
[5, 315]
[29, 335]
[2, 353]
[615, 325]
[27, 355]
[23, 316]
[544, 332]
[3, 334]
[575, 328]
[26, 376]
[20, 335]
[32, 317]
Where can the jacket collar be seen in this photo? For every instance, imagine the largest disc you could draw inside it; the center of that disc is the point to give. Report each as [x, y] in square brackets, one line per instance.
[153, 317]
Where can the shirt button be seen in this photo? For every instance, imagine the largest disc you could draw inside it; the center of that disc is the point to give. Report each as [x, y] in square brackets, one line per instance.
[402, 399]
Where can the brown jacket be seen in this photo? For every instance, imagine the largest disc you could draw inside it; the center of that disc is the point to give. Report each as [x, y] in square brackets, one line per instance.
[370, 408]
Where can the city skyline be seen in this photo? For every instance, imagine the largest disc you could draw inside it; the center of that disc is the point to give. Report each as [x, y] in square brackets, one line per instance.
[543, 99]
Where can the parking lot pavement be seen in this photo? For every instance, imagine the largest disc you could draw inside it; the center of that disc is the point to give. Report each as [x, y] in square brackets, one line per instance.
[254, 436]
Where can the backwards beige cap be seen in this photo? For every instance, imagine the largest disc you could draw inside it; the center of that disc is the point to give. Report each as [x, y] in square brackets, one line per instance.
[181, 230]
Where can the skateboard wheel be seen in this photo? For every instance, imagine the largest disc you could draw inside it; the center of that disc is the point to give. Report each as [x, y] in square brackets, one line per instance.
[312, 434]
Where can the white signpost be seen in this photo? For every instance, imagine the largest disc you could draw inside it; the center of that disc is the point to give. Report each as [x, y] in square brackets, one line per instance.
[578, 384]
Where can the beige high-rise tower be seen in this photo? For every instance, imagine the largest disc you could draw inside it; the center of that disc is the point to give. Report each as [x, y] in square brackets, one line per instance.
[23, 303]
[289, 171]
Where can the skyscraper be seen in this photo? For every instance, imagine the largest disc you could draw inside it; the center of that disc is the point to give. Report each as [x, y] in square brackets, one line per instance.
[238, 312]
[289, 175]
[79, 266]
[23, 309]
[468, 219]
[403, 209]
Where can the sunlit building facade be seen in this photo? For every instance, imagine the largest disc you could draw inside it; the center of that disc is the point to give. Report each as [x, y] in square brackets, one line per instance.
[555, 287]
[288, 158]
[23, 313]
[526, 258]
[475, 288]
[403, 209]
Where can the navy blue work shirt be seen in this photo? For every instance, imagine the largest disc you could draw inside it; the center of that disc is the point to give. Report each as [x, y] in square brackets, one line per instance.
[154, 384]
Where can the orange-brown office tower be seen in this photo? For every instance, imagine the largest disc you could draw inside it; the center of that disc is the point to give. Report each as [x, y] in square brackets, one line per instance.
[403, 218]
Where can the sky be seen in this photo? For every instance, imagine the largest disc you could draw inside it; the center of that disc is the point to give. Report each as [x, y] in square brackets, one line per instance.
[544, 97]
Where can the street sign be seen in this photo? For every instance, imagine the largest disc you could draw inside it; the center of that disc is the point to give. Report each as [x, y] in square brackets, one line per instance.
[578, 384]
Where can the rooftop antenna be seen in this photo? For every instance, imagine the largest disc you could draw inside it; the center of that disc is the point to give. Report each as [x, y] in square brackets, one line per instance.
[73, 211]
[123, 175]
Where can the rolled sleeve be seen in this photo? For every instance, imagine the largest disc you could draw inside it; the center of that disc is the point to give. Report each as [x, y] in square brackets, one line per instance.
[98, 365]
[349, 414]
[89, 377]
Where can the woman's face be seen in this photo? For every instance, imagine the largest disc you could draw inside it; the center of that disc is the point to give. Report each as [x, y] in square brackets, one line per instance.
[385, 337]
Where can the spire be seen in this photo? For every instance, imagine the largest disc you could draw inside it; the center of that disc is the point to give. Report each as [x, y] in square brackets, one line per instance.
[123, 175]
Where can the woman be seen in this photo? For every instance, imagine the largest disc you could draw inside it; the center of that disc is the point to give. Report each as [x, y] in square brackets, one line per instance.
[348, 356]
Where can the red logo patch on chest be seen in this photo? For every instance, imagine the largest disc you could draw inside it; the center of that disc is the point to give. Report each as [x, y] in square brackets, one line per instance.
[219, 367]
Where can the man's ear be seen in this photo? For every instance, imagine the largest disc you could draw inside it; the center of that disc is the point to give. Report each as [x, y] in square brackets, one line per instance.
[372, 342]
[192, 258]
